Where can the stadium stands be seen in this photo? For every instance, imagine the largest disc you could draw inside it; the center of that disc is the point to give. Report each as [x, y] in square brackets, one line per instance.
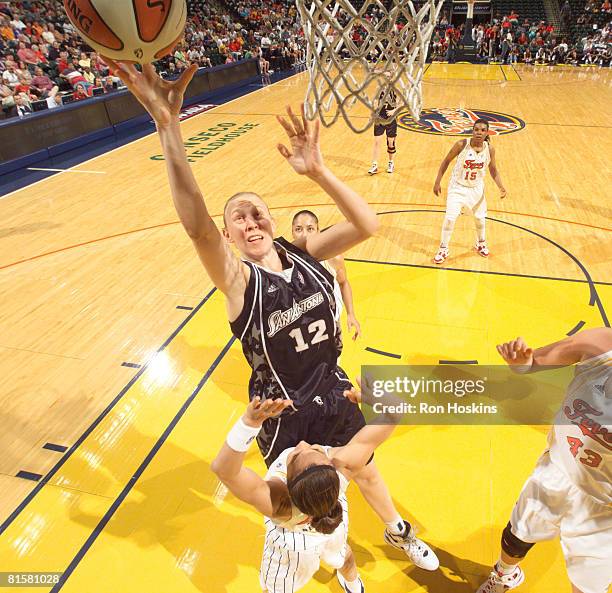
[43, 60]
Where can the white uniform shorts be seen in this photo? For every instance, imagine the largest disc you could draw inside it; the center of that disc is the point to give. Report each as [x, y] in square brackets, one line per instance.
[285, 570]
[460, 196]
[551, 506]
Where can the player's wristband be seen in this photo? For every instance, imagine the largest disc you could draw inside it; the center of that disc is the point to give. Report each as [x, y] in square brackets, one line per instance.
[240, 437]
[522, 369]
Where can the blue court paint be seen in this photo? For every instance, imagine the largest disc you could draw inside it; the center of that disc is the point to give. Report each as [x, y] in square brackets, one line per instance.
[29, 476]
[383, 353]
[594, 295]
[457, 362]
[445, 268]
[24, 503]
[576, 328]
[53, 447]
[134, 479]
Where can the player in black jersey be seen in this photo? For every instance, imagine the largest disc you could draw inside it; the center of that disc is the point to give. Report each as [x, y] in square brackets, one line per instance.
[387, 124]
[279, 297]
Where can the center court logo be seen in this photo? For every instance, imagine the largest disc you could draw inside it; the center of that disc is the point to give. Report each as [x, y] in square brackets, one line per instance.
[459, 122]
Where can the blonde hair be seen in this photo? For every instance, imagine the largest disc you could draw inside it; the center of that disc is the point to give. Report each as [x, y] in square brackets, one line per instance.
[241, 194]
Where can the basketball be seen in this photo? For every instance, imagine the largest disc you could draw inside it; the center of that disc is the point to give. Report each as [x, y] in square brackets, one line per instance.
[140, 31]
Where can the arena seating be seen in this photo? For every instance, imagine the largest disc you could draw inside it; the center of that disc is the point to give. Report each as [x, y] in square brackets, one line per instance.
[526, 9]
[221, 31]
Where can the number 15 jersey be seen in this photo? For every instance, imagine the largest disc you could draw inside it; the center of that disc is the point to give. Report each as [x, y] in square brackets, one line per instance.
[288, 328]
[471, 166]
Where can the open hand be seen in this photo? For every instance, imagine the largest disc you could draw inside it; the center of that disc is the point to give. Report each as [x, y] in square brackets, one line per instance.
[259, 411]
[437, 189]
[163, 99]
[357, 394]
[517, 354]
[352, 323]
[305, 154]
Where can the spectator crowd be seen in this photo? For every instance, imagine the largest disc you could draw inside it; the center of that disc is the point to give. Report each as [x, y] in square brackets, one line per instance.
[510, 39]
[44, 63]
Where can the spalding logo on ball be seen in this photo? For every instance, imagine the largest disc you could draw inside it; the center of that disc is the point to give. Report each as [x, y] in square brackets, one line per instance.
[130, 30]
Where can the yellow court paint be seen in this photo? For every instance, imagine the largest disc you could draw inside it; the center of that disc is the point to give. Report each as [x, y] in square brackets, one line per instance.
[175, 529]
[92, 278]
[510, 73]
[464, 71]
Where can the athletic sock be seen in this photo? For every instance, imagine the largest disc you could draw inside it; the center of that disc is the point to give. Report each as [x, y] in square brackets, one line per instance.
[480, 229]
[447, 232]
[503, 568]
[446, 237]
[398, 526]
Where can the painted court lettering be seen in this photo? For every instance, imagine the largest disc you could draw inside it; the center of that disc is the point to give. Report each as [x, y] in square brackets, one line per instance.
[217, 132]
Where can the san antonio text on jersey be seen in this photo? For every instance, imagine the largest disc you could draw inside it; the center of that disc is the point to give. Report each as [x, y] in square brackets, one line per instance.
[287, 328]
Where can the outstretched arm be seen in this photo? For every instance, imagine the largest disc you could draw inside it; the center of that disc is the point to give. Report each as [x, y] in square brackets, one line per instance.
[495, 173]
[306, 159]
[163, 100]
[242, 482]
[573, 349]
[448, 159]
[353, 456]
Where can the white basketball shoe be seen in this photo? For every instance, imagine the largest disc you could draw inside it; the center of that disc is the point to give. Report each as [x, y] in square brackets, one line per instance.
[441, 256]
[417, 550]
[500, 583]
[344, 586]
[482, 248]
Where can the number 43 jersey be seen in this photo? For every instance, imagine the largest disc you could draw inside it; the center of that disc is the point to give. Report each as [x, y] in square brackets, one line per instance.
[580, 441]
[288, 328]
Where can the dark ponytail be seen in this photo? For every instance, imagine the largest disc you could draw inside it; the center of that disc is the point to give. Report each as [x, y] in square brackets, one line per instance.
[328, 523]
[315, 492]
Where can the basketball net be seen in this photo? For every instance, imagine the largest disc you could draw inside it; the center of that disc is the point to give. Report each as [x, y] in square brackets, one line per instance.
[365, 57]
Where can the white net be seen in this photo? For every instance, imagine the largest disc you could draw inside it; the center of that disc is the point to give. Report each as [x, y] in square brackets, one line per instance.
[362, 55]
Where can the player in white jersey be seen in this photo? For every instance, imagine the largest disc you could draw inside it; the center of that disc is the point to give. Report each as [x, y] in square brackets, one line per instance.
[569, 494]
[466, 187]
[304, 223]
[302, 498]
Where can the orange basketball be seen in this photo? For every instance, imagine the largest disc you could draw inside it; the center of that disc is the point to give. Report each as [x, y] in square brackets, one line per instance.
[130, 30]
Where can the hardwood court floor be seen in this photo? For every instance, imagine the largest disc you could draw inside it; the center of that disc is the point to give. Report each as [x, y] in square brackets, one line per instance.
[94, 266]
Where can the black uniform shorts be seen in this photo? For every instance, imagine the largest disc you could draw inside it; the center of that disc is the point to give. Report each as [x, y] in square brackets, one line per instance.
[390, 129]
[329, 419]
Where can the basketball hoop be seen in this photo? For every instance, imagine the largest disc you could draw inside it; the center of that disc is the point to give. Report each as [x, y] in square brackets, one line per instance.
[360, 57]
